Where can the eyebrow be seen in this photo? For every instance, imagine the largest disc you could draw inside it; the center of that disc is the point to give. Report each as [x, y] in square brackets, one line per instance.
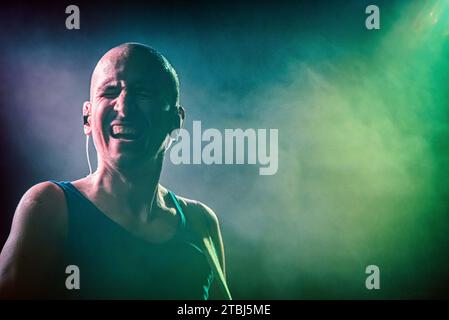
[107, 82]
[114, 83]
[147, 88]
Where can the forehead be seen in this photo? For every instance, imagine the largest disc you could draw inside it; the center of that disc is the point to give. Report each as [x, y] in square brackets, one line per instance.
[136, 68]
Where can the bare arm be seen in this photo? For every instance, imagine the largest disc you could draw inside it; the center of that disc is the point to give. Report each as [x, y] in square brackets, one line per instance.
[213, 228]
[29, 260]
[215, 232]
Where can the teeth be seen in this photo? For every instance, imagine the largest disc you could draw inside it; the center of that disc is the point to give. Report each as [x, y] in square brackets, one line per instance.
[123, 130]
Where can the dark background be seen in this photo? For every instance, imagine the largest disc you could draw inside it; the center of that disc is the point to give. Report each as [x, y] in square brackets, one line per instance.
[228, 54]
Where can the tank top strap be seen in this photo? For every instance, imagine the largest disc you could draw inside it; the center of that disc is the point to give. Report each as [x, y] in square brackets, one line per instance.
[72, 195]
[62, 184]
[178, 208]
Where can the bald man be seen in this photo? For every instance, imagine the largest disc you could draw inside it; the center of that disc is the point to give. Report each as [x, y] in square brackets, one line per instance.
[118, 233]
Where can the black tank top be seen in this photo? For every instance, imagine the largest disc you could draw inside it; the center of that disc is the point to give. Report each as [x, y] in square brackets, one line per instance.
[115, 264]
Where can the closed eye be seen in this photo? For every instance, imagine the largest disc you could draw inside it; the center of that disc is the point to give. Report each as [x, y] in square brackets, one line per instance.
[145, 95]
[110, 94]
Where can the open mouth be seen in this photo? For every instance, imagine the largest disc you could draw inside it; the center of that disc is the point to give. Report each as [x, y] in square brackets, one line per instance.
[125, 132]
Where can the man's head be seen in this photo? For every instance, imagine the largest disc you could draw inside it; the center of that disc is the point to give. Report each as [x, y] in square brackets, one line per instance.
[134, 105]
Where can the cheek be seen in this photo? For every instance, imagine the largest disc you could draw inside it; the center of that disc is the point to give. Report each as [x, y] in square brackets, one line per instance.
[159, 122]
[101, 122]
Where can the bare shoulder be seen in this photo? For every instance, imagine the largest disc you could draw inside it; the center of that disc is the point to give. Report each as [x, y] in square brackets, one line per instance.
[44, 193]
[199, 213]
[33, 248]
[40, 217]
[44, 204]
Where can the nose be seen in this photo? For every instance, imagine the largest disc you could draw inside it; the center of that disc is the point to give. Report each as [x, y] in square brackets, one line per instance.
[124, 104]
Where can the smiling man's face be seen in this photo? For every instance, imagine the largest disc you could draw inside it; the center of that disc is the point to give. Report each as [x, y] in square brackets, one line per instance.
[132, 106]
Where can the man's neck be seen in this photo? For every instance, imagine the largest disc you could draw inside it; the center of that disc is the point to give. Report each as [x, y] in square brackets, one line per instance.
[133, 190]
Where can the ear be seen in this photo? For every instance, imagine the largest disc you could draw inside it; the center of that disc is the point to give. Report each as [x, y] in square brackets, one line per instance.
[182, 116]
[87, 111]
